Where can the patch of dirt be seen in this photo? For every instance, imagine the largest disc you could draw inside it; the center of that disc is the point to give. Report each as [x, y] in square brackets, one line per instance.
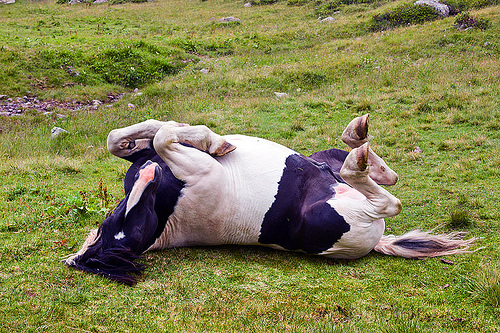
[19, 105]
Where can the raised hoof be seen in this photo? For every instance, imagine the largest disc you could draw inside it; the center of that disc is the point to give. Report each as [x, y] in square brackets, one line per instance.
[356, 133]
[223, 149]
[362, 157]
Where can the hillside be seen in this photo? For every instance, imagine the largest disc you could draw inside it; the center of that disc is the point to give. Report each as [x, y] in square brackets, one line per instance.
[432, 93]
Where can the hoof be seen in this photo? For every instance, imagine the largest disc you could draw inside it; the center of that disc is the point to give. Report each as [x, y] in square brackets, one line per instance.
[362, 157]
[356, 133]
[223, 149]
[362, 127]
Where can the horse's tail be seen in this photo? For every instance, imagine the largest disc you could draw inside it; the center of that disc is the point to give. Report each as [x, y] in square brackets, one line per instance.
[422, 244]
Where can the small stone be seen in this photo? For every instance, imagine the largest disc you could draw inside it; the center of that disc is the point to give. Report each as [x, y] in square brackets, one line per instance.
[280, 94]
[248, 4]
[96, 102]
[327, 19]
[57, 131]
[418, 150]
[204, 70]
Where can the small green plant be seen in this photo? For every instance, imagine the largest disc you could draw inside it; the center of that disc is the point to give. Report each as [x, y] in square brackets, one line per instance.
[460, 213]
[485, 286]
[465, 21]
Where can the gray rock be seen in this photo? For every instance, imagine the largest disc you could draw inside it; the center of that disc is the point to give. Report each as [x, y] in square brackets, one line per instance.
[441, 8]
[57, 131]
[327, 19]
[229, 19]
[248, 4]
[6, 2]
[100, 1]
[280, 94]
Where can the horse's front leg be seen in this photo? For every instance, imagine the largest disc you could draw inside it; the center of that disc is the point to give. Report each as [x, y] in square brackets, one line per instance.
[356, 172]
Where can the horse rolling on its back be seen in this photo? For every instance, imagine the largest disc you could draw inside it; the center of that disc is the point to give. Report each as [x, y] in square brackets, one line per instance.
[189, 186]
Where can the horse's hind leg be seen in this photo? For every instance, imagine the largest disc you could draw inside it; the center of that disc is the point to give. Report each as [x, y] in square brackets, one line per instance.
[356, 172]
[355, 135]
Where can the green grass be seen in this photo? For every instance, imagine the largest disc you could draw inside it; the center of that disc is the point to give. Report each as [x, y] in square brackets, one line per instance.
[425, 85]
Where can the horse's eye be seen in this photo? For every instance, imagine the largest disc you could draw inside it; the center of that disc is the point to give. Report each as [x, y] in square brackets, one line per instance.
[131, 145]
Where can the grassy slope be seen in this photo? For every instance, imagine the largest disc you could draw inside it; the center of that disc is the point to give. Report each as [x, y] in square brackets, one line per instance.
[428, 86]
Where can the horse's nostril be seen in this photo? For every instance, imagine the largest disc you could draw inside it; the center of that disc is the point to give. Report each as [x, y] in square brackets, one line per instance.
[131, 145]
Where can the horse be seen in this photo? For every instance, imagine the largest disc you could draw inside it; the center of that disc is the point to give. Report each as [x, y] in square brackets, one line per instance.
[188, 186]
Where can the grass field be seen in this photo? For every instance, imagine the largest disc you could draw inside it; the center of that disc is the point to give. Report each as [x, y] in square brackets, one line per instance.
[425, 85]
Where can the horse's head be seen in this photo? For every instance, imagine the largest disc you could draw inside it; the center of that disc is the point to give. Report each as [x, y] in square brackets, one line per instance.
[111, 250]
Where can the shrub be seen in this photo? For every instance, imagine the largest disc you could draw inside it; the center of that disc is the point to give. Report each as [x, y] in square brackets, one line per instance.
[135, 65]
[465, 21]
[331, 6]
[402, 15]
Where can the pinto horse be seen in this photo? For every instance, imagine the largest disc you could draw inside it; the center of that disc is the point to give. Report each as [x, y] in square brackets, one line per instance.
[189, 186]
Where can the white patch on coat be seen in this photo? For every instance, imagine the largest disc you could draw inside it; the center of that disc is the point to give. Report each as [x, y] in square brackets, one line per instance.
[230, 208]
[120, 235]
[145, 176]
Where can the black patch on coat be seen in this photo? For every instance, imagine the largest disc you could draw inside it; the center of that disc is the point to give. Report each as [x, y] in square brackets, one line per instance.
[300, 217]
[334, 158]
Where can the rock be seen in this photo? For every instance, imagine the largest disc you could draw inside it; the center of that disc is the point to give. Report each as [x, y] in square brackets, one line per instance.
[57, 131]
[6, 2]
[442, 9]
[280, 94]
[229, 19]
[96, 102]
[417, 150]
[100, 1]
[327, 19]
[204, 70]
[248, 4]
